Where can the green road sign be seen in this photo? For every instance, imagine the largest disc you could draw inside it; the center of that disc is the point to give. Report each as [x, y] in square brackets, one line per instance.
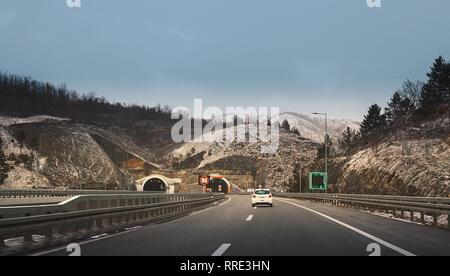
[318, 181]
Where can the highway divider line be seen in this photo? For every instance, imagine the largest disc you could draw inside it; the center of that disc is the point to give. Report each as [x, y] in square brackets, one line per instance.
[367, 235]
[228, 199]
[250, 218]
[221, 250]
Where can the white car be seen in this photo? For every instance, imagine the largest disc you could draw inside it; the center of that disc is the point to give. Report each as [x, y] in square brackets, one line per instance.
[262, 196]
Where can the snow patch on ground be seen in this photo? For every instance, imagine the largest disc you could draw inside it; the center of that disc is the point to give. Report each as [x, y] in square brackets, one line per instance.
[429, 220]
[21, 241]
[21, 178]
[8, 121]
[10, 144]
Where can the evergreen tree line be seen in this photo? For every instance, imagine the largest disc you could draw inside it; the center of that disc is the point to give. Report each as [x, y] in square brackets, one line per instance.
[23, 96]
[413, 103]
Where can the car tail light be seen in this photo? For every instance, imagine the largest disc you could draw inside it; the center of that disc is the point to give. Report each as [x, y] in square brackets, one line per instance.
[270, 196]
[254, 196]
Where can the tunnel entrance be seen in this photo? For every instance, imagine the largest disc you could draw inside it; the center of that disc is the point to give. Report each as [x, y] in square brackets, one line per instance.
[218, 185]
[155, 185]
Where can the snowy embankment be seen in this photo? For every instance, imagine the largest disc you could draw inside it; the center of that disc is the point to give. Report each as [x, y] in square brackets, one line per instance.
[413, 167]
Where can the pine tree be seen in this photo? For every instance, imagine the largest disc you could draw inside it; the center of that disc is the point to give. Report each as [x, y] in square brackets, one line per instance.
[437, 90]
[373, 121]
[397, 109]
[21, 136]
[321, 148]
[295, 131]
[285, 125]
[347, 141]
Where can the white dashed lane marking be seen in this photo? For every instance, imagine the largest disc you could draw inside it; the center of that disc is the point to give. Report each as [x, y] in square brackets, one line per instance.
[221, 249]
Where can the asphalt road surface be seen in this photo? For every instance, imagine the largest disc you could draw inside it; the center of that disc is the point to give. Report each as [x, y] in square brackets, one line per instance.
[290, 227]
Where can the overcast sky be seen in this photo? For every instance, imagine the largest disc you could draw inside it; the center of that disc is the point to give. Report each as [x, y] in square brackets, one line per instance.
[303, 56]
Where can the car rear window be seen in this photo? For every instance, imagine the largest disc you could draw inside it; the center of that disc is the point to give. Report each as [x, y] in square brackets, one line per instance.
[262, 192]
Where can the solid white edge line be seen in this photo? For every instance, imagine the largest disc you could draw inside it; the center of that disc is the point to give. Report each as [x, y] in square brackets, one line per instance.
[367, 235]
[221, 250]
[116, 234]
[90, 240]
[250, 218]
[210, 208]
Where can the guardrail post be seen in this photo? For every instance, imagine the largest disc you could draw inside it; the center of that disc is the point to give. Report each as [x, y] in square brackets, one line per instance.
[74, 228]
[411, 215]
[49, 233]
[435, 220]
[448, 222]
[422, 217]
[99, 223]
[27, 238]
[2, 241]
[110, 222]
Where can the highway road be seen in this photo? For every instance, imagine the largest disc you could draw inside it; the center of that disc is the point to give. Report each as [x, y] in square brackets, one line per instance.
[290, 227]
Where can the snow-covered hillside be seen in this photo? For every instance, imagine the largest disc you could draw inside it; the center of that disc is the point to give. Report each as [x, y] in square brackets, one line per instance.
[314, 127]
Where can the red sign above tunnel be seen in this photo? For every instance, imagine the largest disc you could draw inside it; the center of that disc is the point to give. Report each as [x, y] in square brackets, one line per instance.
[203, 180]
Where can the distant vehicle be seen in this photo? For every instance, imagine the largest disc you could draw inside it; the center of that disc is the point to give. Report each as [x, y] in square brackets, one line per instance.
[262, 196]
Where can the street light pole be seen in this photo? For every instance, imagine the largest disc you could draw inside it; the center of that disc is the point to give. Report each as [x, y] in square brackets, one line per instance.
[260, 175]
[326, 143]
[326, 146]
[300, 177]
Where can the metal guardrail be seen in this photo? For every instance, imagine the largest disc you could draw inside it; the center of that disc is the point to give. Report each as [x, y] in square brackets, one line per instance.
[91, 215]
[91, 202]
[390, 204]
[19, 193]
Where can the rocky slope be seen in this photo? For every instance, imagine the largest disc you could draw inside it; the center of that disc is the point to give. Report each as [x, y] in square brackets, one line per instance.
[53, 153]
[423, 170]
